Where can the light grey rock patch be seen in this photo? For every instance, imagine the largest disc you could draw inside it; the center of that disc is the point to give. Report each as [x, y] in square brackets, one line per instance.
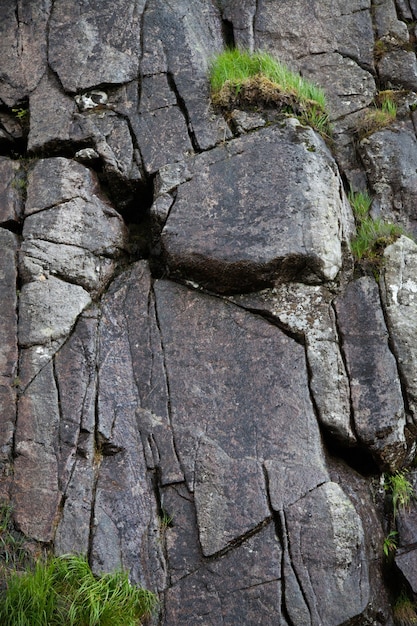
[328, 554]
[72, 263]
[399, 295]
[49, 308]
[307, 311]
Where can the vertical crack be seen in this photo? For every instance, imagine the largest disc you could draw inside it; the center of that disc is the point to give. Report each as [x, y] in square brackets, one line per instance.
[183, 108]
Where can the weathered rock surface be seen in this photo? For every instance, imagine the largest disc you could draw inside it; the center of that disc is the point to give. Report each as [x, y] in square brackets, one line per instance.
[377, 402]
[232, 232]
[215, 419]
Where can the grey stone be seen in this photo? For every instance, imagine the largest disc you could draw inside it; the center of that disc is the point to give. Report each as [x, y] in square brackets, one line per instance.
[169, 124]
[23, 49]
[399, 295]
[11, 188]
[51, 117]
[316, 28]
[237, 506]
[347, 85]
[377, 402]
[190, 34]
[328, 554]
[89, 224]
[36, 495]
[266, 227]
[307, 311]
[49, 308]
[390, 160]
[72, 263]
[107, 51]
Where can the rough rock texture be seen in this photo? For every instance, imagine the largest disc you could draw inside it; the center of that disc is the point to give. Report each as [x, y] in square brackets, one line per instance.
[198, 383]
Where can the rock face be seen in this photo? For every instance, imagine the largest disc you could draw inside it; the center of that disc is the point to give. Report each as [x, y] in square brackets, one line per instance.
[198, 383]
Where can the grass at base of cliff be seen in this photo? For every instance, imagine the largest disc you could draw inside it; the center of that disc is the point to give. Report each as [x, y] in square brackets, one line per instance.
[240, 79]
[64, 591]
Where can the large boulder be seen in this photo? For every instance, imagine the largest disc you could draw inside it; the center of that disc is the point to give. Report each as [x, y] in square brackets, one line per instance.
[231, 232]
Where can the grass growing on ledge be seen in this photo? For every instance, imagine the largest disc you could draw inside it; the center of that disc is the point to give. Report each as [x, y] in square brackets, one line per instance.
[382, 114]
[64, 591]
[372, 236]
[240, 79]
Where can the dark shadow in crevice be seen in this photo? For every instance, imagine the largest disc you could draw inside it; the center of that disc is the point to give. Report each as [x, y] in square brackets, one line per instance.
[228, 34]
[357, 457]
[14, 130]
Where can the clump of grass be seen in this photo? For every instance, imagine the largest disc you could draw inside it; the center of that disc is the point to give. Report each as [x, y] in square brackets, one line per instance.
[382, 114]
[404, 611]
[242, 79]
[64, 591]
[372, 236]
[401, 490]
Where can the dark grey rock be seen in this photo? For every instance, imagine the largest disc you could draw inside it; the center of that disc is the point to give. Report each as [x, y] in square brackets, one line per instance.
[23, 36]
[316, 28]
[51, 117]
[390, 160]
[377, 402]
[232, 232]
[107, 51]
[190, 33]
[36, 495]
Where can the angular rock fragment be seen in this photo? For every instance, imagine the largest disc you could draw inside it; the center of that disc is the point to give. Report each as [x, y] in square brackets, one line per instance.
[106, 51]
[307, 311]
[377, 402]
[328, 554]
[8, 344]
[231, 232]
[49, 308]
[11, 188]
[399, 295]
[36, 495]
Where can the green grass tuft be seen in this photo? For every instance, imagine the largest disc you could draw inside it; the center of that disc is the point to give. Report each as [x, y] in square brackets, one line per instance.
[240, 77]
[64, 591]
[401, 490]
[372, 236]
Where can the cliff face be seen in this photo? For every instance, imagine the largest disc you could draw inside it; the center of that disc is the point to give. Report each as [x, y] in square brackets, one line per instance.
[198, 383]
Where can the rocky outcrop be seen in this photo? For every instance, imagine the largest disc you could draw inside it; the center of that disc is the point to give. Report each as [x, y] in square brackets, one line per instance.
[199, 384]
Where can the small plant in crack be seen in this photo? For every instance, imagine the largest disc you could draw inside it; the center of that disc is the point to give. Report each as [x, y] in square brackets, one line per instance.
[241, 79]
[21, 113]
[400, 489]
[382, 113]
[390, 544]
[372, 235]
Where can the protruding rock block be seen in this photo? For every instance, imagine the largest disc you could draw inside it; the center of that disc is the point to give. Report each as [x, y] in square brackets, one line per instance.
[266, 207]
[377, 402]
